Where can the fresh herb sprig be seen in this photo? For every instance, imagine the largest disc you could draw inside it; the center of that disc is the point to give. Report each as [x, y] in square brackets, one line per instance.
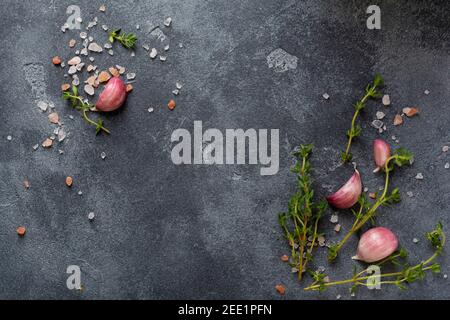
[300, 223]
[406, 275]
[366, 212]
[127, 40]
[371, 92]
[78, 103]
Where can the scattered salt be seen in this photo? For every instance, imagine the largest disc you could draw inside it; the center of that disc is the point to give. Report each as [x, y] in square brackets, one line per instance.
[153, 53]
[377, 124]
[89, 89]
[334, 218]
[380, 115]
[42, 105]
[95, 47]
[168, 22]
[61, 135]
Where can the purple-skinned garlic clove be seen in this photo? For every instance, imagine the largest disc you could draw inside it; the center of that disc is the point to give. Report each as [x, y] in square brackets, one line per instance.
[348, 194]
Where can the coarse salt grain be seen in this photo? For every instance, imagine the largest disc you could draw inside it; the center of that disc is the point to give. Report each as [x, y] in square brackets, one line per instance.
[334, 218]
[153, 53]
[377, 124]
[168, 21]
[380, 115]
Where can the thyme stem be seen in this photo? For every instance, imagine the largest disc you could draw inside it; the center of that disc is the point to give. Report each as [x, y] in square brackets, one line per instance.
[355, 130]
[303, 215]
[80, 105]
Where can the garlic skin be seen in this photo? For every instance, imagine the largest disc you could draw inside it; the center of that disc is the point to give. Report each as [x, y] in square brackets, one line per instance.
[348, 194]
[381, 153]
[376, 244]
[113, 95]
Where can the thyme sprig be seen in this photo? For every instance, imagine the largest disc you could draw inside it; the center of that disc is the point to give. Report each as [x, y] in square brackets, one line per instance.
[300, 223]
[79, 104]
[371, 92]
[127, 40]
[366, 212]
[406, 275]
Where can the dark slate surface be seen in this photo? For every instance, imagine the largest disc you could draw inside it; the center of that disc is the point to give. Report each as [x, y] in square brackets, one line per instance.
[200, 232]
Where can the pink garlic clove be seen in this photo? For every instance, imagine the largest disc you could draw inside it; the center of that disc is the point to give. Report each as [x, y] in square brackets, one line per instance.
[381, 152]
[348, 194]
[113, 95]
[376, 244]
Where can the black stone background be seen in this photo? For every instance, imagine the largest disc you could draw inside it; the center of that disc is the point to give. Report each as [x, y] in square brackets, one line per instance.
[208, 232]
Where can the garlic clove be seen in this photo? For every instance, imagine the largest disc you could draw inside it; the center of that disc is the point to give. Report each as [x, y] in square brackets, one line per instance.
[113, 95]
[348, 194]
[381, 152]
[376, 244]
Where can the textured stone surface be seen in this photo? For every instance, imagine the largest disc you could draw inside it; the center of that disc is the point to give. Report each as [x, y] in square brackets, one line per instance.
[208, 232]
